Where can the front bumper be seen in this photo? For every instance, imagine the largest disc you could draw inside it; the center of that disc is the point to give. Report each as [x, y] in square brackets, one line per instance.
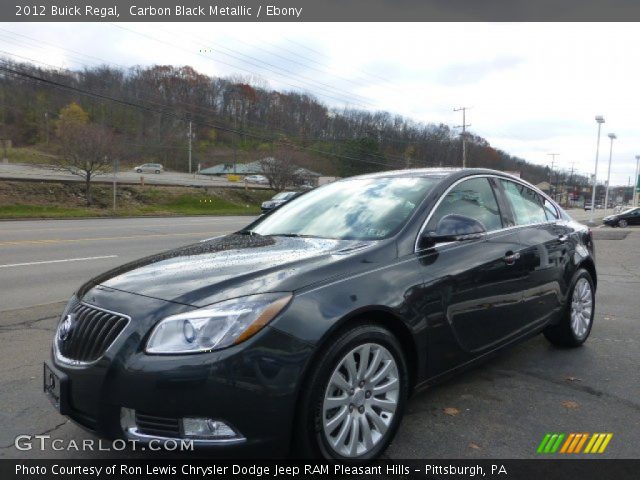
[251, 387]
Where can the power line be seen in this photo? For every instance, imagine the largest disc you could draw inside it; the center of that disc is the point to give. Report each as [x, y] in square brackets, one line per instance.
[167, 112]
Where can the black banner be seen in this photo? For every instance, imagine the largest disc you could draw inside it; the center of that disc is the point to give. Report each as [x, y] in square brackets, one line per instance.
[317, 10]
[587, 469]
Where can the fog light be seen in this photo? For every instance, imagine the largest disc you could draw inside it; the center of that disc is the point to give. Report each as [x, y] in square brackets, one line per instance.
[207, 428]
[127, 418]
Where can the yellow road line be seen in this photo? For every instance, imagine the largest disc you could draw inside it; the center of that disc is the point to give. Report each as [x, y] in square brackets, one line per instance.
[95, 239]
[203, 222]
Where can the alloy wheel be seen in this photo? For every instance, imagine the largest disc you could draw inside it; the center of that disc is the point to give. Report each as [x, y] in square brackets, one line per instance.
[581, 307]
[622, 223]
[360, 400]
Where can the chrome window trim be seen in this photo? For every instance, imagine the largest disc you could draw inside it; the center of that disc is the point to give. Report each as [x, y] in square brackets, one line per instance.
[79, 363]
[487, 175]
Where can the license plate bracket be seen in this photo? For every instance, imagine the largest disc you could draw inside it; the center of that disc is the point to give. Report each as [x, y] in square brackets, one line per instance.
[56, 386]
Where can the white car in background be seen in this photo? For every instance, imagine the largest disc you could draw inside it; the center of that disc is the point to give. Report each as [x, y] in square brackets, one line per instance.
[149, 168]
[261, 179]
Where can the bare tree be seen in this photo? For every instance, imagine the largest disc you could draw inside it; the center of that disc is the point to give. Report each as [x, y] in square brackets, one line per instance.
[87, 150]
[279, 170]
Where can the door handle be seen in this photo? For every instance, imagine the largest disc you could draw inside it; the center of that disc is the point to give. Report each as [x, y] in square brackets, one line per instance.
[510, 257]
[563, 238]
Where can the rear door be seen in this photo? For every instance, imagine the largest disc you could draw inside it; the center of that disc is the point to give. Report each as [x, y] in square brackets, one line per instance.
[546, 249]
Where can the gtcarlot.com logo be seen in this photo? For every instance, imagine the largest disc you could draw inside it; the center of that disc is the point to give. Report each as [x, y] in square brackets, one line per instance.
[574, 443]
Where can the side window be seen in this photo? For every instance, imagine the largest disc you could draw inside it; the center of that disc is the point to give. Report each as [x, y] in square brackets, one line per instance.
[526, 204]
[472, 198]
[550, 210]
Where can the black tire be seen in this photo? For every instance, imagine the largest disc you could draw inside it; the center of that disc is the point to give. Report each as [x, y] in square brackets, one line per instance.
[139, 171]
[622, 223]
[309, 440]
[157, 172]
[563, 334]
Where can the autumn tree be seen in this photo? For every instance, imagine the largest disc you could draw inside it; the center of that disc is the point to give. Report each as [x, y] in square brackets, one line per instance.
[85, 149]
[280, 169]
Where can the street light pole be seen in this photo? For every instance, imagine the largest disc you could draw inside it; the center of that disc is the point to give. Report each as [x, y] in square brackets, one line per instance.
[636, 183]
[600, 120]
[612, 136]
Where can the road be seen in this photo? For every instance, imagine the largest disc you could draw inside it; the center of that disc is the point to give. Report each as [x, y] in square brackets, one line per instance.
[23, 171]
[44, 261]
[501, 409]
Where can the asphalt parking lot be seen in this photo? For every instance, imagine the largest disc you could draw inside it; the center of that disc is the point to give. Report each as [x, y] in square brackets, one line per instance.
[501, 409]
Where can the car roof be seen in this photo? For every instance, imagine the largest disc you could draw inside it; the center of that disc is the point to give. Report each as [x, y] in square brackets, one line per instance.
[439, 172]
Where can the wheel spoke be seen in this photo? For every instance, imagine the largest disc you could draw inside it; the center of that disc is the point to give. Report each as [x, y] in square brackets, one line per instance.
[378, 422]
[332, 424]
[335, 402]
[390, 385]
[375, 363]
[382, 373]
[339, 381]
[366, 432]
[386, 405]
[350, 364]
[342, 435]
[364, 361]
[352, 446]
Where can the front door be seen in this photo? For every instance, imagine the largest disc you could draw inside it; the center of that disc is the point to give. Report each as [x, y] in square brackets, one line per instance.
[477, 283]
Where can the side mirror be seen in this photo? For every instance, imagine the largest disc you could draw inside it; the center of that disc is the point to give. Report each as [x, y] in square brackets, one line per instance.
[454, 228]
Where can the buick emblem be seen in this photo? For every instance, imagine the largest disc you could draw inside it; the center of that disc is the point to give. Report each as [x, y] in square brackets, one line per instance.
[65, 327]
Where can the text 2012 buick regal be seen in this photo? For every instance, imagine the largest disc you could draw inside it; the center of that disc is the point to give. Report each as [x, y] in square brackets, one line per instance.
[306, 332]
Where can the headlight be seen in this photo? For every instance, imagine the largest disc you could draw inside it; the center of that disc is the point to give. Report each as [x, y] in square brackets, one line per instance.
[216, 326]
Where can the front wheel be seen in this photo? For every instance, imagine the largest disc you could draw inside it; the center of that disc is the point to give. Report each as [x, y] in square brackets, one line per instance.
[575, 326]
[354, 397]
[622, 223]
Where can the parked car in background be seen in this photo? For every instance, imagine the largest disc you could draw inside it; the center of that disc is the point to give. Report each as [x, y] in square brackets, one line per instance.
[279, 199]
[587, 206]
[309, 328]
[149, 168]
[623, 219]
[260, 179]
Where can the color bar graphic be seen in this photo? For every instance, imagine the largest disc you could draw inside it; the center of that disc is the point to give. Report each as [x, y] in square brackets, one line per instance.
[553, 443]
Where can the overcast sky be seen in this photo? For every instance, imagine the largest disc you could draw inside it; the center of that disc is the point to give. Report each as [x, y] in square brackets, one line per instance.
[533, 88]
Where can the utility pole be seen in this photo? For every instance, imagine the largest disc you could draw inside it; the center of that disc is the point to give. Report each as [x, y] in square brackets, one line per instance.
[600, 121]
[571, 187]
[464, 133]
[612, 136]
[553, 166]
[46, 126]
[190, 146]
[636, 182]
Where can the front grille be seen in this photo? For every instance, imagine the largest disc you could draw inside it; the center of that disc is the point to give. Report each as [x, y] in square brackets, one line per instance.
[89, 333]
[157, 426]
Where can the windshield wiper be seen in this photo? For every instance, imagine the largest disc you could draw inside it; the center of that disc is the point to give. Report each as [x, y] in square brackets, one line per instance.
[248, 232]
[293, 235]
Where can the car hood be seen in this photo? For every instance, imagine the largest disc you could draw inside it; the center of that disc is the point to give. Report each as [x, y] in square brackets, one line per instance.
[233, 266]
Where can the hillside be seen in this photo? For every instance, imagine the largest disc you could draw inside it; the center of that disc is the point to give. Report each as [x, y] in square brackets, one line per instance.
[149, 110]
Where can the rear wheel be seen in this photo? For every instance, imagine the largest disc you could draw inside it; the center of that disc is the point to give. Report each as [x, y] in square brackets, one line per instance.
[354, 397]
[575, 326]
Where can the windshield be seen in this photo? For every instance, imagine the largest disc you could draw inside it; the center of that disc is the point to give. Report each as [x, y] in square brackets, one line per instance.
[364, 209]
[628, 210]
